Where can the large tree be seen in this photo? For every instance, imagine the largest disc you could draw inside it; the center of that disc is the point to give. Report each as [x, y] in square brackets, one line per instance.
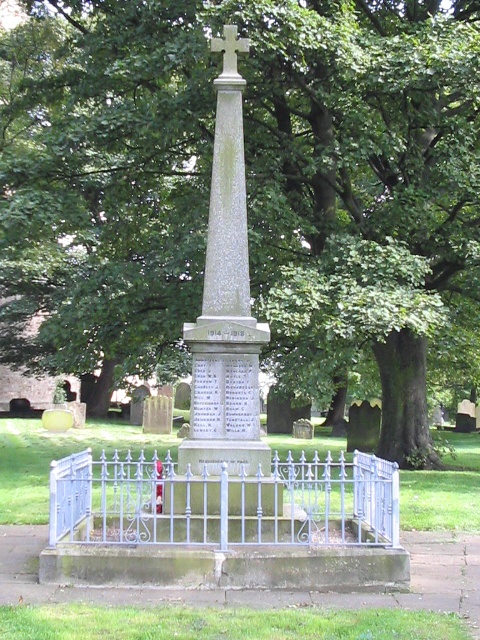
[362, 153]
[96, 237]
[376, 118]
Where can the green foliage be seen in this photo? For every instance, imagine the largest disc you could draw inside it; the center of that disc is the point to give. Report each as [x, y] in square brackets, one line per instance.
[59, 394]
[361, 128]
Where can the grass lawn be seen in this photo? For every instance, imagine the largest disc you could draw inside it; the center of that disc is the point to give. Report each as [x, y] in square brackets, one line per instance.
[79, 622]
[430, 500]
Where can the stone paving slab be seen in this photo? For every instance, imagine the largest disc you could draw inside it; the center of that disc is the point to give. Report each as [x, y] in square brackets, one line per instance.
[442, 580]
[15, 593]
[355, 600]
[107, 597]
[454, 559]
[205, 598]
[438, 602]
[268, 599]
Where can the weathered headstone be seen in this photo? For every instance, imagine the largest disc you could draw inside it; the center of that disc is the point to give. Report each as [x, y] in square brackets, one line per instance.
[165, 390]
[226, 340]
[437, 417]
[184, 431]
[465, 420]
[477, 418]
[183, 394]
[136, 406]
[363, 427]
[79, 410]
[158, 414]
[466, 407]
[282, 412]
[303, 429]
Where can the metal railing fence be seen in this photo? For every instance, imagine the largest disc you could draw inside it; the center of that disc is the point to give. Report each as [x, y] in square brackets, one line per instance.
[318, 502]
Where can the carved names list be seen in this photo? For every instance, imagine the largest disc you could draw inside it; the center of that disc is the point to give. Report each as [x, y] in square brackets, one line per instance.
[226, 397]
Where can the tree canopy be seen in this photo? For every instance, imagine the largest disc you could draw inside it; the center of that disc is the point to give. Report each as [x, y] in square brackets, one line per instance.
[361, 129]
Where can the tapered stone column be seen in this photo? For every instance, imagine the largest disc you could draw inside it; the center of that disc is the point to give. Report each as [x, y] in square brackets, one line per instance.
[225, 340]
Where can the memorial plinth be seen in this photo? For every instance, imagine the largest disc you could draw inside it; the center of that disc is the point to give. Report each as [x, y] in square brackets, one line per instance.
[225, 340]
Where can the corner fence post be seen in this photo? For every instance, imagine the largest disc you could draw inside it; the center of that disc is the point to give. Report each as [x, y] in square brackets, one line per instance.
[52, 535]
[224, 507]
[395, 506]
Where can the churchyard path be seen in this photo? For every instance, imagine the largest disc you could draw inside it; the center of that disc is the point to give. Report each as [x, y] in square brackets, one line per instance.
[445, 576]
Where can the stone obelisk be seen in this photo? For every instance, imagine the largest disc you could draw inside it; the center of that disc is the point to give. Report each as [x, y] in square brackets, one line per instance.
[225, 340]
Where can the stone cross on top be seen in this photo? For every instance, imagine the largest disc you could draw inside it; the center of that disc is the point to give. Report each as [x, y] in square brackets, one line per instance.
[230, 45]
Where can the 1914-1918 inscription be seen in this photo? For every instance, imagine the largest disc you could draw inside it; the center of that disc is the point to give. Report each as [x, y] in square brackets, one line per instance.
[226, 397]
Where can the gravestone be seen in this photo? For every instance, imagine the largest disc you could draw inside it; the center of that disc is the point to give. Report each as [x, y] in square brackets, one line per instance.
[184, 431]
[303, 429]
[158, 414]
[183, 394]
[166, 390]
[282, 412]
[79, 410]
[477, 418]
[465, 420]
[136, 406]
[363, 427]
[437, 417]
[226, 340]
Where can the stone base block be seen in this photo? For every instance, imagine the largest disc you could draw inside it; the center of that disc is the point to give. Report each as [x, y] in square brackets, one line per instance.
[291, 568]
[208, 495]
[213, 453]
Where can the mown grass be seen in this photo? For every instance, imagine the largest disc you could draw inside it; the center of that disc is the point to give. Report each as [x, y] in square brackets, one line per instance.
[78, 622]
[430, 500]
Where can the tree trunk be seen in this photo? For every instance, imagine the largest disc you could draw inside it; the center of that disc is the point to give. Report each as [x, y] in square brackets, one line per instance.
[405, 435]
[98, 401]
[336, 411]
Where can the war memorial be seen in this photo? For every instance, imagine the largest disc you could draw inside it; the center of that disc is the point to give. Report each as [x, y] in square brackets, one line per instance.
[229, 513]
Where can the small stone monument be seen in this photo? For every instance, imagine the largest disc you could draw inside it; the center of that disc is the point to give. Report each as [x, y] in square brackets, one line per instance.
[184, 431]
[437, 417]
[158, 414]
[183, 394]
[465, 420]
[303, 429]
[136, 406]
[363, 427]
[226, 340]
[79, 410]
[282, 412]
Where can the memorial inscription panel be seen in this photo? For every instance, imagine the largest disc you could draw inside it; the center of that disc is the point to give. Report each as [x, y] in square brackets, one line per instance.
[226, 397]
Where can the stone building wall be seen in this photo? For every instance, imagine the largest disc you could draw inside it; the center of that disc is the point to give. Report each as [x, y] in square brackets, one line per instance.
[39, 391]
